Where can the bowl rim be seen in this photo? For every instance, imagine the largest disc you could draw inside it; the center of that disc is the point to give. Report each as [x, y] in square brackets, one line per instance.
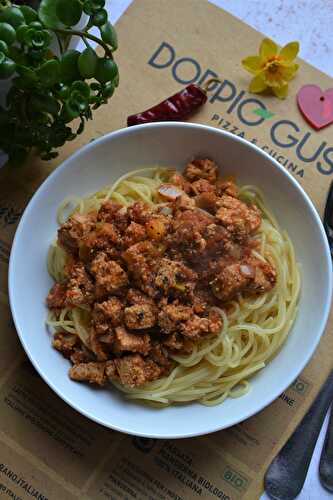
[187, 125]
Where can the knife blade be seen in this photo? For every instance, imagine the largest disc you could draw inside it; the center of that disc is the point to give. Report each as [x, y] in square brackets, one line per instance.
[326, 458]
[328, 217]
[286, 474]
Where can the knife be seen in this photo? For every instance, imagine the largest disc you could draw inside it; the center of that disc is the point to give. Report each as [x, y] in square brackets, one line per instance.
[326, 459]
[328, 217]
[286, 474]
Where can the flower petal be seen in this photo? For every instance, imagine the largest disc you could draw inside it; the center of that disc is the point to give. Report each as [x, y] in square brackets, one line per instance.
[257, 84]
[252, 64]
[280, 76]
[268, 48]
[281, 92]
[289, 51]
[290, 71]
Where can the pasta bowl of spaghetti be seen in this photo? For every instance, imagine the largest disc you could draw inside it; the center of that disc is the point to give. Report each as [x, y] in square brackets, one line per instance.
[170, 280]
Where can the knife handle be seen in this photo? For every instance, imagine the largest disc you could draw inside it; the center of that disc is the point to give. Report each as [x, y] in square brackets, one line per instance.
[328, 217]
[326, 459]
[286, 474]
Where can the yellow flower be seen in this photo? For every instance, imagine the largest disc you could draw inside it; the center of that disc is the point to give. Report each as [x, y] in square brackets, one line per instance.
[273, 67]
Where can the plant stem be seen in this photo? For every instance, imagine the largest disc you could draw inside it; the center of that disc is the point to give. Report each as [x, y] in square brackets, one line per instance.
[85, 42]
[88, 26]
[83, 34]
[60, 44]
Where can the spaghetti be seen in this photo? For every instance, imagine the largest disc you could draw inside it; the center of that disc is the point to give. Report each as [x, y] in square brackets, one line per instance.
[254, 327]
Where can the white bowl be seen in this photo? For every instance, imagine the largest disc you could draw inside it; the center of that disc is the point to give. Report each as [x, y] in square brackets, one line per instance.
[168, 144]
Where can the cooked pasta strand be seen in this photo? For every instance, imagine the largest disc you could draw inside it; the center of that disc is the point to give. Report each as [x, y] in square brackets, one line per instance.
[253, 330]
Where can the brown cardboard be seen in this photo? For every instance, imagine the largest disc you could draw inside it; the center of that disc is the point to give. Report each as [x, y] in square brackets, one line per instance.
[48, 446]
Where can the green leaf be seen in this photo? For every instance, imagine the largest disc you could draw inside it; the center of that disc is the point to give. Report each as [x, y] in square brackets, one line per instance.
[38, 55]
[12, 16]
[27, 74]
[78, 101]
[21, 32]
[63, 91]
[99, 18]
[109, 35]
[17, 55]
[22, 84]
[69, 12]
[92, 6]
[3, 47]
[108, 90]
[106, 70]
[69, 66]
[37, 39]
[36, 24]
[48, 14]
[7, 68]
[87, 63]
[7, 33]
[29, 14]
[45, 104]
[70, 112]
[49, 73]
[81, 87]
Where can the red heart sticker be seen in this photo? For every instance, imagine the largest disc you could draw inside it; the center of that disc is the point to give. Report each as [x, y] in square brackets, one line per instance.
[316, 105]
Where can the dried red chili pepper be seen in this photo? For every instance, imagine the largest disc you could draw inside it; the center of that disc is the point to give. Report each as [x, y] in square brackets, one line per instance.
[175, 108]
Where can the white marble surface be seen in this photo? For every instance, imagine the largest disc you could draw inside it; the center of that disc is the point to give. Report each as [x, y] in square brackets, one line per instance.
[310, 22]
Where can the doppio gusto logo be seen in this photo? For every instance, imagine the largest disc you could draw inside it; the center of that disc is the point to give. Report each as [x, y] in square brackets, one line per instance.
[285, 134]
